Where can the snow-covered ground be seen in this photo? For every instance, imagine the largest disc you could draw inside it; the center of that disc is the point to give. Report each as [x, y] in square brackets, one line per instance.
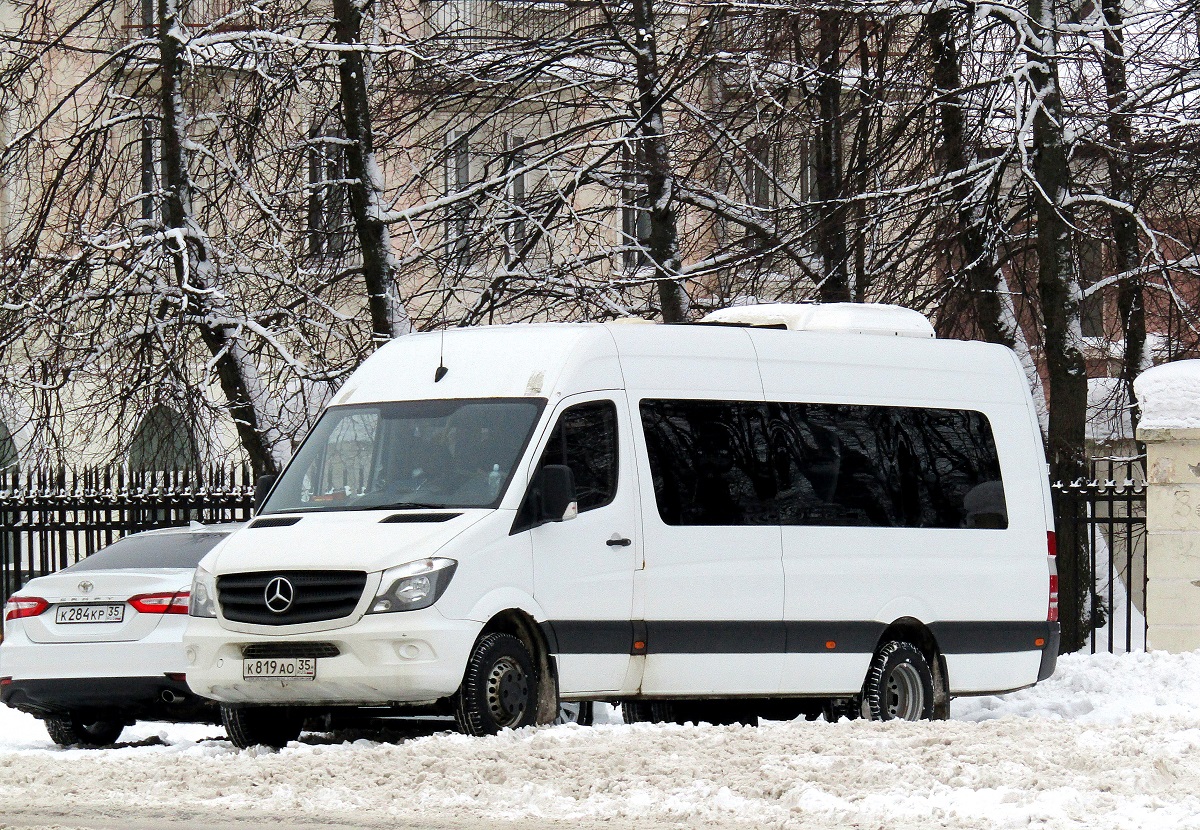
[1109, 742]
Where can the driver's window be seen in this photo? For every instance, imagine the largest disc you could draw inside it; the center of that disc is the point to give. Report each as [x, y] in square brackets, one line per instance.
[585, 439]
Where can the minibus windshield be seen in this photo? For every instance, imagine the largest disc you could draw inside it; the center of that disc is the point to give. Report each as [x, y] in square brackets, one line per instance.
[408, 454]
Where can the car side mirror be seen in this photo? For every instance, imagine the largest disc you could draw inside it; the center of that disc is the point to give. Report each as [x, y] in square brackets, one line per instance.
[559, 503]
[262, 486]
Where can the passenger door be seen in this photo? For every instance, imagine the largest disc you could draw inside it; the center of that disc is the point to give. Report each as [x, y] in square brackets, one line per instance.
[583, 567]
[714, 571]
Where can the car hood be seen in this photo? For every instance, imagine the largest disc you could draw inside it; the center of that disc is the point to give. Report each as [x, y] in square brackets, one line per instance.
[358, 540]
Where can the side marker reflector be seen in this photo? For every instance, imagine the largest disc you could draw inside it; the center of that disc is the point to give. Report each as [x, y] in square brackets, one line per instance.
[830, 644]
[1039, 642]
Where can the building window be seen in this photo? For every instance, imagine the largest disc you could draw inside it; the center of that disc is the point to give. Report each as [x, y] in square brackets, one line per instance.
[760, 172]
[635, 207]
[8, 451]
[328, 199]
[515, 229]
[458, 180]
[162, 442]
[1091, 271]
[150, 153]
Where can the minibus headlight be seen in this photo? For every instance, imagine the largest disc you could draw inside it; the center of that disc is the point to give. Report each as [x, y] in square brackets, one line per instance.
[412, 586]
[203, 602]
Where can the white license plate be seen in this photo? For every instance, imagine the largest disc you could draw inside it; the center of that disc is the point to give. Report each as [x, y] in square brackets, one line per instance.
[280, 668]
[94, 613]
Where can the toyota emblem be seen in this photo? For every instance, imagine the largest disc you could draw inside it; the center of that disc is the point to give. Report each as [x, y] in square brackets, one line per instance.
[85, 587]
[279, 594]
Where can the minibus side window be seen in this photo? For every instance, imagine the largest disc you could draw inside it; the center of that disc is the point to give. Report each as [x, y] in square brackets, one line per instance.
[709, 462]
[884, 466]
[585, 439]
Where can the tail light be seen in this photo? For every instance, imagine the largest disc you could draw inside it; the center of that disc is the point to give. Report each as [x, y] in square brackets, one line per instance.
[1052, 552]
[172, 603]
[18, 607]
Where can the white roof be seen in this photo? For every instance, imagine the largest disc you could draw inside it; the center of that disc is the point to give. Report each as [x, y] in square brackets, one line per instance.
[852, 318]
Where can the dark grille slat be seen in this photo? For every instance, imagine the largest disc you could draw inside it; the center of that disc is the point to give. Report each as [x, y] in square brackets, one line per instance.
[319, 596]
[285, 650]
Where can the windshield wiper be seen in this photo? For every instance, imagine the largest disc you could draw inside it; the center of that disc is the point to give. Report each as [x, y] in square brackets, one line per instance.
[406, 505]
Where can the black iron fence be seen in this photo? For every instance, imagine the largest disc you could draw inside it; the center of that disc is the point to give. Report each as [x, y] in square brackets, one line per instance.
[50, 519]
[1103, 520]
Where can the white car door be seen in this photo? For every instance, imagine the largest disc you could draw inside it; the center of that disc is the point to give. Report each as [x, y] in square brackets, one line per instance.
[583, 567]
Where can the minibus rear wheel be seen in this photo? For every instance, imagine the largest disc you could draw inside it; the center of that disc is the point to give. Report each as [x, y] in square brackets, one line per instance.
[499, 689]
[899, 684]
[273, 726]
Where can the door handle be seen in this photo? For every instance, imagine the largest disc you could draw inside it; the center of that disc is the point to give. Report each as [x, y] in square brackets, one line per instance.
[618, 541]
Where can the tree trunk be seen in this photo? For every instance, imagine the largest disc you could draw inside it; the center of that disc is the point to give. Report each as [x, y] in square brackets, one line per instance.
[831, 230]
[660, 179]
[1059, 290]
[388, 317]
[1120, 182]
[189, 250]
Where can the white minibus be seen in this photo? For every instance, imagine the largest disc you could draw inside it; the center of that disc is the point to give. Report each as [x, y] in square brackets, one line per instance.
[788, 510]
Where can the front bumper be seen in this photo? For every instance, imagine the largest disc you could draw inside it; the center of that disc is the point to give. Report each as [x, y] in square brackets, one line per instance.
[407, 657]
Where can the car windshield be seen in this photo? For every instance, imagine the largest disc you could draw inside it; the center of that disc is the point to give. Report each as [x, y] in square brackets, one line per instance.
[153, 550]
[408, 454]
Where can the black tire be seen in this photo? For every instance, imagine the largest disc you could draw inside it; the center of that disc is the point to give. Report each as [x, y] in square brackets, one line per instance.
[581, 712]
[648, 711]
[499, 689]
[83, 730]
[837, 708]
[273, 726]
[899, 684]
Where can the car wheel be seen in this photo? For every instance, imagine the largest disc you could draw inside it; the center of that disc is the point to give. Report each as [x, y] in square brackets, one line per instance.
[83, 730]
[271, 726]
[499, 689]
[899, 684]
[581, 712]
[648, 711]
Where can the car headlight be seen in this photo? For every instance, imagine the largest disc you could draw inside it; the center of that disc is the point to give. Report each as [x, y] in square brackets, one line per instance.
[204, 595]
[412, 586]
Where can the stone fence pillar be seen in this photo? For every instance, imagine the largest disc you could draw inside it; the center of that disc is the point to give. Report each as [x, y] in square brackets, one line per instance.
[1170, 400]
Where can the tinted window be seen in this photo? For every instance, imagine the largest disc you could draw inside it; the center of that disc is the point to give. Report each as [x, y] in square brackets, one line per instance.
[886, 466]
[709, 462]
[156, 550]
[729, 463]
[585, 439]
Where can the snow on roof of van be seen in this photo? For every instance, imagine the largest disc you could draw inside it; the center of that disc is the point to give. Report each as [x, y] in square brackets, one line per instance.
[853, 318]
[1170, 395]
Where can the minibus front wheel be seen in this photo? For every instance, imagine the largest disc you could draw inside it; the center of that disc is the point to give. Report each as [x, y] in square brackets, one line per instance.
[899, 684]
[499, 689]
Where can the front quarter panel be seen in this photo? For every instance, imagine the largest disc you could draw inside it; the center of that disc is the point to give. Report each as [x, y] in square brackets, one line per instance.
[495, 571]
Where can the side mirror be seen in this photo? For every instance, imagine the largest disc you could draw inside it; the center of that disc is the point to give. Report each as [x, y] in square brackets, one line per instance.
[262, 486]
[558, 493]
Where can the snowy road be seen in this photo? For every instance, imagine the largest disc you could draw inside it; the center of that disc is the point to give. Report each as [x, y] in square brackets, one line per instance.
[1110, 742]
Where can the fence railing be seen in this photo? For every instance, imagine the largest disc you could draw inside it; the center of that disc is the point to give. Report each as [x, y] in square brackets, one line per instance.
[50, 519]
[1104, 519]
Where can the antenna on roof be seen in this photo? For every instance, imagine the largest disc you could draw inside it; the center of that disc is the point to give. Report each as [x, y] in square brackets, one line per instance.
[441, 370]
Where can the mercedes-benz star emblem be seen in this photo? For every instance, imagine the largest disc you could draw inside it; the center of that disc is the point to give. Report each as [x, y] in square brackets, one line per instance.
[85, 587]
[279, 594]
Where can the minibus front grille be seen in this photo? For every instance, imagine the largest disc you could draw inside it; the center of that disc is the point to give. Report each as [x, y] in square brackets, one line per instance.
[315, 596]
[254, 651]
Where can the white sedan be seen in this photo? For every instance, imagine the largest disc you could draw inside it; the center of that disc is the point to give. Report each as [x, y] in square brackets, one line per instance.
[99, 645]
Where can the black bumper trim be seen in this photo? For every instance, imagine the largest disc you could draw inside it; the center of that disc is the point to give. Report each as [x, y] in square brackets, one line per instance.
[131, 696]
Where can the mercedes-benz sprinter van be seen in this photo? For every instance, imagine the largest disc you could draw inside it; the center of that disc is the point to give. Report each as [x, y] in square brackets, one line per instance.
[793, 508]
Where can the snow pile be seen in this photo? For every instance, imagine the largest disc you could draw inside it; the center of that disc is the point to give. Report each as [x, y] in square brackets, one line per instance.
[1110, 742]
[1170, 395]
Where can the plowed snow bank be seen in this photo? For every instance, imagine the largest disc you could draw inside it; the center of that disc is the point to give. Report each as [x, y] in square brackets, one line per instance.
[1109, 742]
